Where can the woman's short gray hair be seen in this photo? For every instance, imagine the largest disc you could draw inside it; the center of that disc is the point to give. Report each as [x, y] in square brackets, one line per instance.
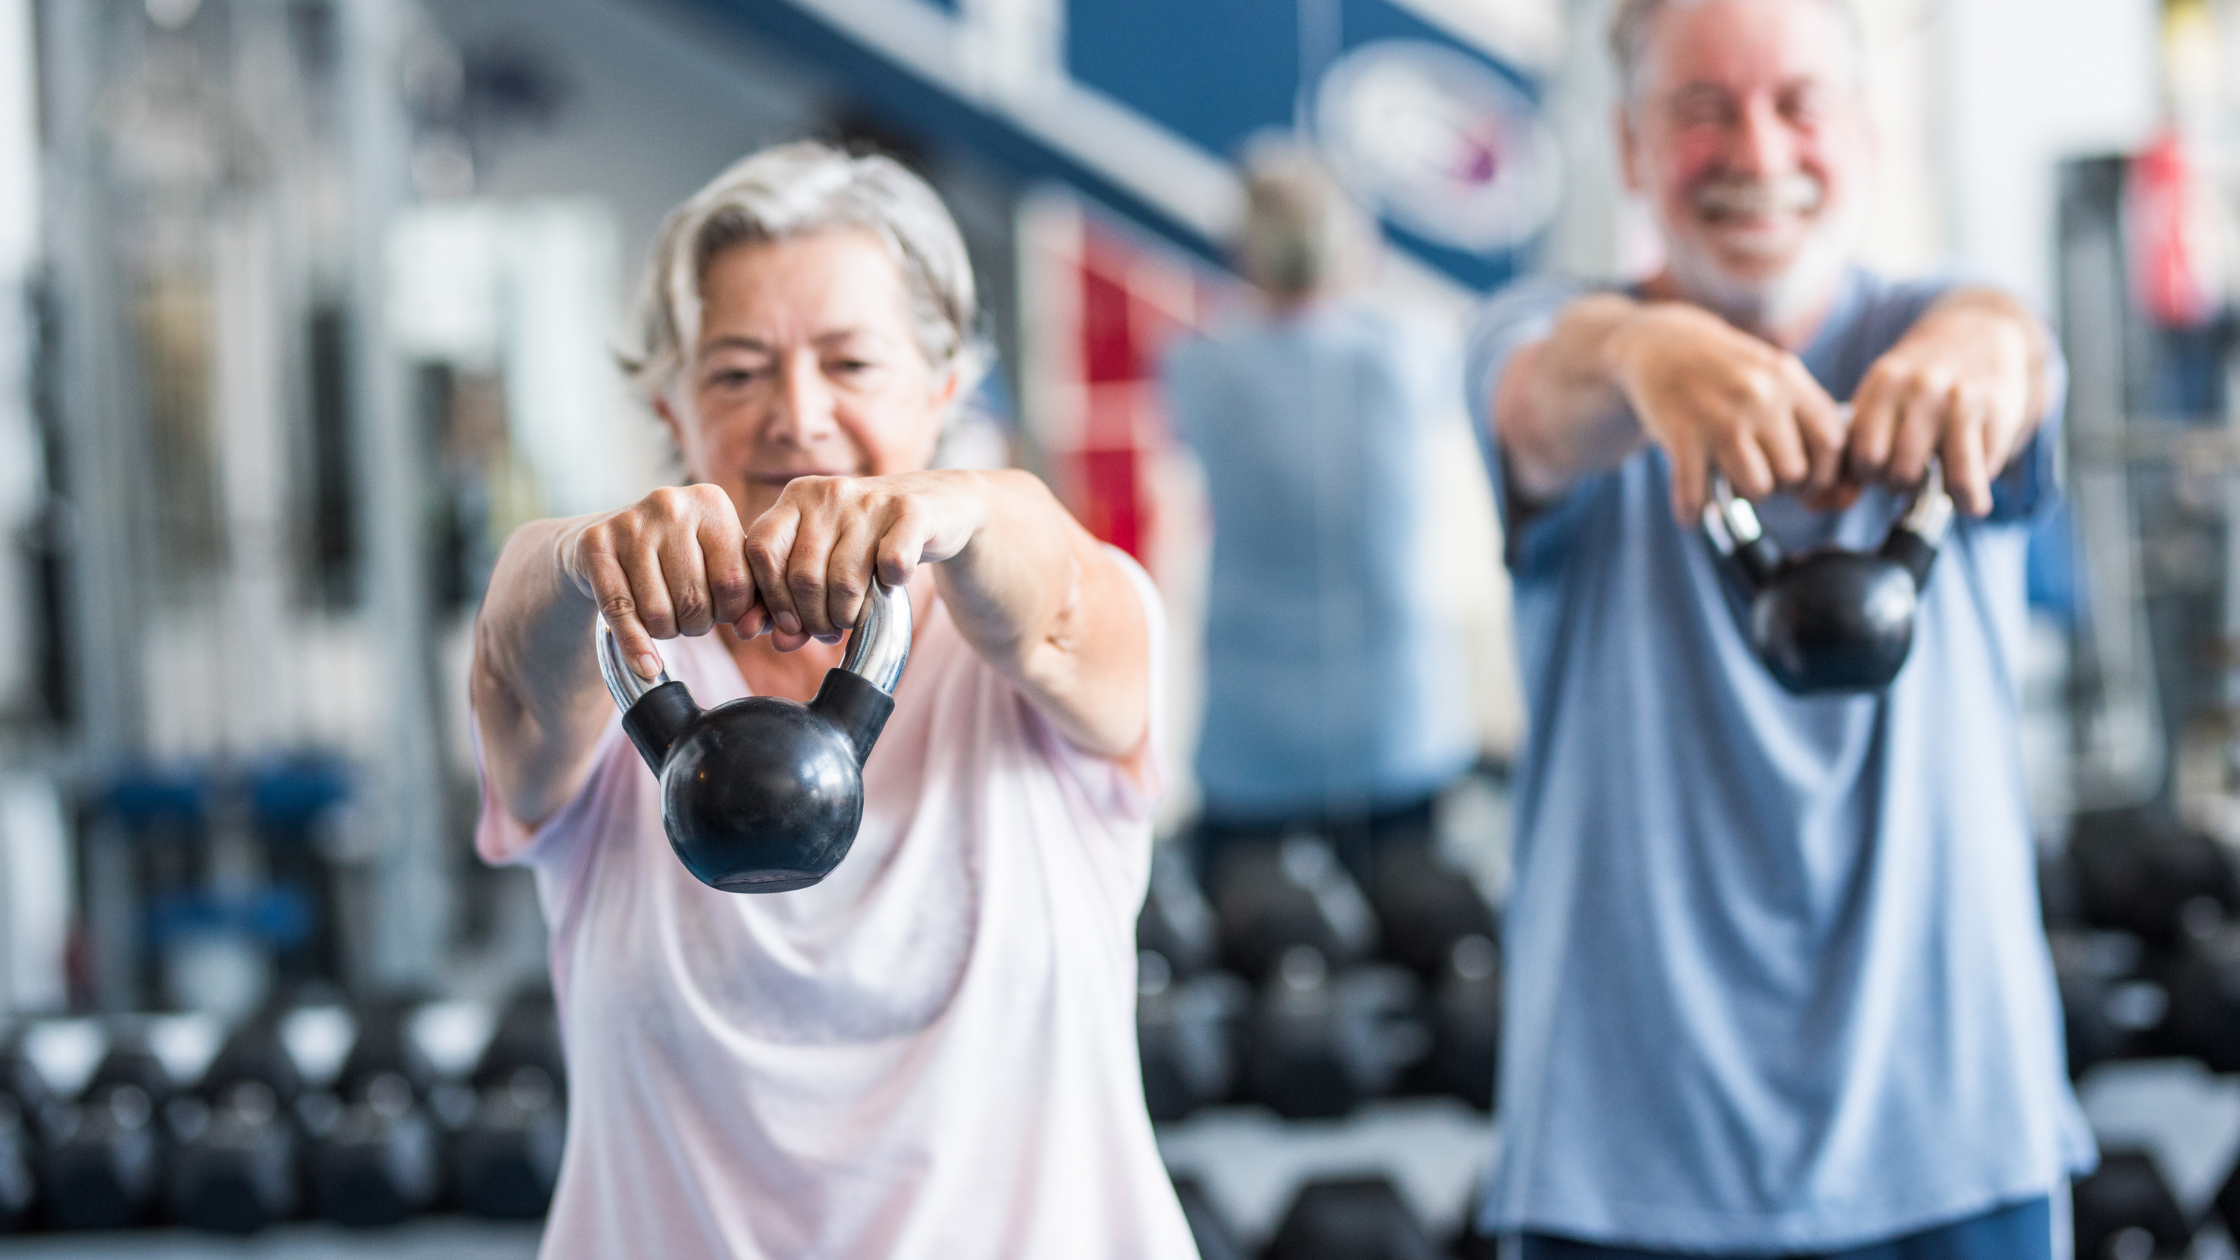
[796, 190]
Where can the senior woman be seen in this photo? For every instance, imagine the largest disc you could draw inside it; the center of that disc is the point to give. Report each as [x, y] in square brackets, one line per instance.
[932, 1052]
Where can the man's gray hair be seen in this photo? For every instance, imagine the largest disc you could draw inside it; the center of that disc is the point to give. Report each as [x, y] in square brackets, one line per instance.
[796, 190]
[1629, 36]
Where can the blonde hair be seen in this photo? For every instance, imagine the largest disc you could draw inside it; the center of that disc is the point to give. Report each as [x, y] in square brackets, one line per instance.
[796, 190]
[1301, 231]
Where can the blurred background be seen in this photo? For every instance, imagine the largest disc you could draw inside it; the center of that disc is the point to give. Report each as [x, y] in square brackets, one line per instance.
[304, 304]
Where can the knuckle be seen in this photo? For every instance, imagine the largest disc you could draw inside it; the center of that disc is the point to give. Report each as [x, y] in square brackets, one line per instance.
[801, 581]
[617, 606]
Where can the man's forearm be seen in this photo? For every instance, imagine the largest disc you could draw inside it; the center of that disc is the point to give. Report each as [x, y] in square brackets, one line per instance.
[1557, 409]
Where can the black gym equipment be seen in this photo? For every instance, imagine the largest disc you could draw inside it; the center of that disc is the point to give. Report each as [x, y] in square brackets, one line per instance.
[1319, 1043]
[1350, 1218]
[104, 1151]
[1831, 619]
[1186, 1033]
[19, 1189]
[1177, 922]
[2108, 1011]
[1424, 906]
[24, 1096]
[763, 794]
[1207, 1227]
[234, 1163]
[2125, 1211]
[377, 1158]
[2139, 871]
[2202, 980]
[1272, 898]
[506, 1158]
[1465, 1017]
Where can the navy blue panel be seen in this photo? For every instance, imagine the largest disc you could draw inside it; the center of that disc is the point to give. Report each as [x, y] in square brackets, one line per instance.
[931, 115]
[1367, 21]
[1214, 73]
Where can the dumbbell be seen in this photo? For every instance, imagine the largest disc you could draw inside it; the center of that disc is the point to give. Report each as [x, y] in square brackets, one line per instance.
[234, 1163]
[23, 1097]
[1464, 1013]
[1317, 1043]
[1207, 1228]
[104, 1150]
[2125, 1211]
[1350, 1218]
[19, 1191]
[506, 1159]
[1271, 898]
[1424, 906]
[1185, 1034]
[2139, 871]
[377, 1158]
[1176, 922]
[2108, 1011]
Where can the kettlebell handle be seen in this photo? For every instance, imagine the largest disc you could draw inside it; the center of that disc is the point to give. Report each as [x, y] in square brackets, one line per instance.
[1736, 532]
[877, 651]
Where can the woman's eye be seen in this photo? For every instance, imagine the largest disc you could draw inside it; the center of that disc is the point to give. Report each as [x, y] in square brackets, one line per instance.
[848, 367]
[733, 378]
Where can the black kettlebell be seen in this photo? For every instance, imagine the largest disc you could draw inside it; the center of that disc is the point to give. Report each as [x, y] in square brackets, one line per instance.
[1831, 619]
[763, 794]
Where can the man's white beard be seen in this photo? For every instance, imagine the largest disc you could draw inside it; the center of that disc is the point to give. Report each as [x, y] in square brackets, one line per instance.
[1767, 304]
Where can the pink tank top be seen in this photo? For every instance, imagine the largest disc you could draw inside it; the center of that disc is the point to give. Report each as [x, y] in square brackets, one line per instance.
[929, 1054]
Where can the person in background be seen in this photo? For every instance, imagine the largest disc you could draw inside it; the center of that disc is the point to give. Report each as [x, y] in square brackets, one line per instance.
[1336, 698]
[1776, 982]
[930, 1053]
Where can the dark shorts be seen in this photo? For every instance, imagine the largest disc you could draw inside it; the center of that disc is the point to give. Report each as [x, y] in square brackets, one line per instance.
[2018, 1231]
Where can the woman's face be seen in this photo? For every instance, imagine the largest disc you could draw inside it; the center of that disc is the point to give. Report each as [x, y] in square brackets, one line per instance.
[805, 366]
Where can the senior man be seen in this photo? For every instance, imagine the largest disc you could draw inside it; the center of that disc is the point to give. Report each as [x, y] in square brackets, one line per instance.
[1777, 981]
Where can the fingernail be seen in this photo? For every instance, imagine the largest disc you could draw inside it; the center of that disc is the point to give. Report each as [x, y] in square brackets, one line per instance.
[649, 665]
[789, 623]
[828, 639]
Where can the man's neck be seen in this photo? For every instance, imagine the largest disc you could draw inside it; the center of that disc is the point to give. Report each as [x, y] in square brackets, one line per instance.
[1793, 333]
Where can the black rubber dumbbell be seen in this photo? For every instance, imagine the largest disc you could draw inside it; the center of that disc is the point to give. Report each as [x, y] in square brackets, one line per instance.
[2139, 871]
[1319, 1042]
[506, 1159]
[234, 1161]
[1186, 1033]
[24, 1095]
[2201, 979]
[1350, 1218]
[1208, 1228]
[1177, 922]
[2109, 1010]
[104, 1150]
[1464, 1015]
[377, 1156]
[1425, 906]
[1271, 898]
[2125, 1211]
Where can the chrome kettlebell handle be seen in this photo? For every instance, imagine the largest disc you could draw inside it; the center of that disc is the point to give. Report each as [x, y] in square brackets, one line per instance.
[1733, 524]
[877, 651]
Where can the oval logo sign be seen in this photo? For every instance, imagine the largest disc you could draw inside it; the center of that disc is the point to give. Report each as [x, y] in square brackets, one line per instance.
[1439, 143]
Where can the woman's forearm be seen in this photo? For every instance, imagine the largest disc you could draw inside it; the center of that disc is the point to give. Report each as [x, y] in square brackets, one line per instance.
[539, 704]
